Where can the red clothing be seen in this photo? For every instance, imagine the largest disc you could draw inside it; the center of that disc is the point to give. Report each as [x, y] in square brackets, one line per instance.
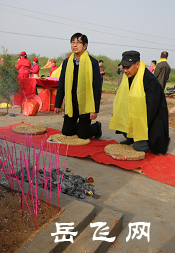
[0, 62]
[34, 70]
[53, 69]
[24, 66]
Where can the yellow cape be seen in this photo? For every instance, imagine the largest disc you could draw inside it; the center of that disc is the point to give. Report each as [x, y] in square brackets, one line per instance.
[130, 109]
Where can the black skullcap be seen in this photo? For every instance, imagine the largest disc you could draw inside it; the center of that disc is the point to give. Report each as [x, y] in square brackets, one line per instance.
[129, 57]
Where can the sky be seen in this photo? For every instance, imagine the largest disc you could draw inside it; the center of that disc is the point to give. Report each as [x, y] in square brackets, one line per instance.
[112, 27]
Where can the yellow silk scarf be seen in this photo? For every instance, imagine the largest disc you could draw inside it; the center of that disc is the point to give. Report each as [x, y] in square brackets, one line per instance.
[85, 95]
[130, 109]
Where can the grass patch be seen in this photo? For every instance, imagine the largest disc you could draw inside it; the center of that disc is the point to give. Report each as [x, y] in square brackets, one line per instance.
[108, 86]
[170, 84]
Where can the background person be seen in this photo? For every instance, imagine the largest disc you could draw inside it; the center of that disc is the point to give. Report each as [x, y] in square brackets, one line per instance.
[139, 108]
[162, 69]
[152, 66]
[120, 73]
[2, 60]
[53, 68]
[19, 58]
[80, 83]
[34, 71]
[102, 71]
[23, 66]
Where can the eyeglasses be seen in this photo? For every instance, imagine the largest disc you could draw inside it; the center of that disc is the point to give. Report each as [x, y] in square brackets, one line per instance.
[76, 42]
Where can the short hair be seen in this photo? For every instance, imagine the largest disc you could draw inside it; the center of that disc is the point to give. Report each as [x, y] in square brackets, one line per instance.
[100, 61]
[154, 61]
[83, 38]
[164, 54]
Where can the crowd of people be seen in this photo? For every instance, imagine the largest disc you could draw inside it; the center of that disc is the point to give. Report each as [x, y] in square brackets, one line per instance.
[139, 109]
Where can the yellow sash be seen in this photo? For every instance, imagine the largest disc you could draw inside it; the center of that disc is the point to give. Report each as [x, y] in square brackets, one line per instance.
[130, 109]
[57, 72]
[85, 95]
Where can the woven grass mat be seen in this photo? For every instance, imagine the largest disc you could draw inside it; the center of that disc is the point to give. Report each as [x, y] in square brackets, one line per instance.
[29, 129]
[123, 152]
[71, 140]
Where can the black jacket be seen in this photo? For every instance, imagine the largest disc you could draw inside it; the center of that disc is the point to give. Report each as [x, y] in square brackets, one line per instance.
[96, 84]
[157, 114]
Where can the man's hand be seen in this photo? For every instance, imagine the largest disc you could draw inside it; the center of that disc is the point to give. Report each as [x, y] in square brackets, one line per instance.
[57, 110]
[93, 115]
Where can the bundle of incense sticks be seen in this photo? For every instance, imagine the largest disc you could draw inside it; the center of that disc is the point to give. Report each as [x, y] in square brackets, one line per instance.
[30, 161]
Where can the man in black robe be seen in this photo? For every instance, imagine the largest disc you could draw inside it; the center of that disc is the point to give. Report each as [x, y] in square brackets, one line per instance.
[157, 112]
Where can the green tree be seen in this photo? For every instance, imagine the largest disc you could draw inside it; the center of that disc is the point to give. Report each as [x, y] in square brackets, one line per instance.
[9, 84]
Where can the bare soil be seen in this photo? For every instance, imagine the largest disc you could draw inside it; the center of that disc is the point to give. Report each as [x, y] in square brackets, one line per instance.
[17, 227]
[171, 103]
[105, 96]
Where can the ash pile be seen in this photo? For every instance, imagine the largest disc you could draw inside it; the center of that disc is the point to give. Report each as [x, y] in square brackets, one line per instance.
[72, 185]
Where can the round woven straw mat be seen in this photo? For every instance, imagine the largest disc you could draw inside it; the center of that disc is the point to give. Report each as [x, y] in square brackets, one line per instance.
[123, 152]
[71, 140]
[29, 129]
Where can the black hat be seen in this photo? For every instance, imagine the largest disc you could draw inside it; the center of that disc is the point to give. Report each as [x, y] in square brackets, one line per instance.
[129, 57]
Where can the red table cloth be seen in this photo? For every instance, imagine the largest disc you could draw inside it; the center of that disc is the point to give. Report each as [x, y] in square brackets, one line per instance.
[28, 85]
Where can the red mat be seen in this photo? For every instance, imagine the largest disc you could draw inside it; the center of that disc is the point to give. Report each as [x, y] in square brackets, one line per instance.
[160, 168]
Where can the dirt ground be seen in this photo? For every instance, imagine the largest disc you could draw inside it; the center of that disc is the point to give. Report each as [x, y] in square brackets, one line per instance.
[11, 120]
[171, 103]
[16, 227]
[105, 96]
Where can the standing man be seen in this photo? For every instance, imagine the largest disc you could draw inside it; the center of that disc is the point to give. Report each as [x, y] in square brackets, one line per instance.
[23, 66]
[80, 83]
[140, 109]
[162, 70]
[53, 68]
[102, 71]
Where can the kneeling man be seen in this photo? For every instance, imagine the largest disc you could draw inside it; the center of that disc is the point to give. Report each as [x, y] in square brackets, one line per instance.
[140, 109]
[80, 84]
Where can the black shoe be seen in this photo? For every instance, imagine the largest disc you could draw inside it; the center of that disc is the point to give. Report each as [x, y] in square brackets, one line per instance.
[118, 132]
[127, 142]
[99, 133]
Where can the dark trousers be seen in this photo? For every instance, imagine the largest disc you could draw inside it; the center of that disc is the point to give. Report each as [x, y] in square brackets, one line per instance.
[83, 128]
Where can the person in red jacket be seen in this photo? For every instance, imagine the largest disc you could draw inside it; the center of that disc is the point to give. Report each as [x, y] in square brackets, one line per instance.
[23, 66]
[2, 60]
[34, 72]
[53, 68]
[19, 58]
